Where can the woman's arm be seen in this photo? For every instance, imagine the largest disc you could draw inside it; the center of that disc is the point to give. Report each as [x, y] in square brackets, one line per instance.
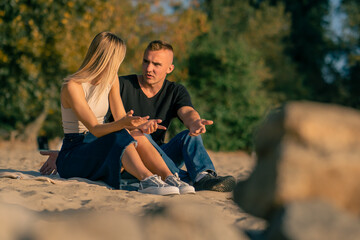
[116, 104]
[73, 96]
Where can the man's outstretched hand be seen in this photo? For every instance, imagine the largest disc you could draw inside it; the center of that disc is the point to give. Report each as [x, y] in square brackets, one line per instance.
[49, 167]
[198, 127]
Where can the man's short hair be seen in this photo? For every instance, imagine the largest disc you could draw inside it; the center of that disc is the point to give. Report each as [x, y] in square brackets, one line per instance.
[157, 45]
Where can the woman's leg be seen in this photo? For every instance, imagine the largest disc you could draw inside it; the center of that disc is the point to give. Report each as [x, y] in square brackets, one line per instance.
[150, 156]
[132, 163]
[149, 183]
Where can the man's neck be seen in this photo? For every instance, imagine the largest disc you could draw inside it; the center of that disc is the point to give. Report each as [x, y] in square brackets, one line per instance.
[148, 89]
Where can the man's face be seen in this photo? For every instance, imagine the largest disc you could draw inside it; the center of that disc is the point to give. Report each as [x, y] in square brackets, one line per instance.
[156, 65]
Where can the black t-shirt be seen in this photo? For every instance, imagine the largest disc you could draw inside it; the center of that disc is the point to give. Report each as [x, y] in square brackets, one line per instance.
[164, 105]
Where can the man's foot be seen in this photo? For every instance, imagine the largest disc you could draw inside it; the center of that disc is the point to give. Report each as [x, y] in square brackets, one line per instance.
[154, 185]
[215, 183]
[175, 181]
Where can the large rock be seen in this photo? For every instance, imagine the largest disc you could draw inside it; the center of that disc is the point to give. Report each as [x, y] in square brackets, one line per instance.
[21, 223]
[174, 219]
[179, 219]
[307, 220]
[305, 151]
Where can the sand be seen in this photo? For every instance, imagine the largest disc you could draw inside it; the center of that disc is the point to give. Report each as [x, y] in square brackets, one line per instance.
[24, 192]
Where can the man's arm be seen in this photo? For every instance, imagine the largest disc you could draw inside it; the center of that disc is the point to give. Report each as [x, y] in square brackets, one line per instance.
[191, 119]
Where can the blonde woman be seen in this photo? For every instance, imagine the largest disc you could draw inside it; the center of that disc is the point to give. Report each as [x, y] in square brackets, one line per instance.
[96, 150]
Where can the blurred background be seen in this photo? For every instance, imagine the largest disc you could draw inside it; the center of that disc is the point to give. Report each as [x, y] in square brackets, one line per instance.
[239, 59]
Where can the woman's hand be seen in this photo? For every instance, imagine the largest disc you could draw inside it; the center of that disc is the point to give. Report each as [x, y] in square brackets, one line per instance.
[151, 126]
[49, 167]
[132, 122]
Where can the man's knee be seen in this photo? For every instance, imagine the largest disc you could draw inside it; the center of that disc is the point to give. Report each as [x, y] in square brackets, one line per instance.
[184, 135]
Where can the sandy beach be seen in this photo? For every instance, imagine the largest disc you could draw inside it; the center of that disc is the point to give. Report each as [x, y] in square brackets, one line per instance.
[43, 198]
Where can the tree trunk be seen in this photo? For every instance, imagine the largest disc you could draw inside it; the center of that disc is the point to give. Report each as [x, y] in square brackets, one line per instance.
[31, 131]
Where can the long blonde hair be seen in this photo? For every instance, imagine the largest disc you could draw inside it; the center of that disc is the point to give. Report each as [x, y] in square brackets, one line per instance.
[102, 62]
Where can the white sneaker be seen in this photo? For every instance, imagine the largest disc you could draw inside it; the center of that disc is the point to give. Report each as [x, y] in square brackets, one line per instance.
[154, 185]
[184, 188]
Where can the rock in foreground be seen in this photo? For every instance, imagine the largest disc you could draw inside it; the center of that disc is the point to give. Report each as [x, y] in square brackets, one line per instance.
[306, 151]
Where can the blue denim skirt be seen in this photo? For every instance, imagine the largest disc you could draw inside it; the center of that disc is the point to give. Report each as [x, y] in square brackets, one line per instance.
[97, 159]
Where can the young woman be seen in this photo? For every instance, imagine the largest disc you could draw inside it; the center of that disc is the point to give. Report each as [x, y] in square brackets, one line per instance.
[96, 150]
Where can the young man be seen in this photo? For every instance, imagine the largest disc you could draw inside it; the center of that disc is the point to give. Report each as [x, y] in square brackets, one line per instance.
[150, 94]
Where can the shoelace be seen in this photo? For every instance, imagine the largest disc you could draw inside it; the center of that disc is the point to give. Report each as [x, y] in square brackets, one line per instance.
[157, 180]
[176, 178]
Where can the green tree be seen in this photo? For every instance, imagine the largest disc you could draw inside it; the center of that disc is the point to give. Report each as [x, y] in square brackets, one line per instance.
[225, 80]
[29, 68]
[226, 77]
[308, 45]
[268, 29]
[350, 43]
[46, 40]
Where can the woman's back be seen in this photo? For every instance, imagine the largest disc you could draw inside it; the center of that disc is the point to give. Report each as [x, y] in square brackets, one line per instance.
[98, 105]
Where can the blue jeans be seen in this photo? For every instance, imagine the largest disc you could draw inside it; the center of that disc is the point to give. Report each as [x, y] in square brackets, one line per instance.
[97, 159]
[184, 149]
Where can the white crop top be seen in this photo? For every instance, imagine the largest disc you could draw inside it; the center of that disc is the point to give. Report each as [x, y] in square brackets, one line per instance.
[70, 122]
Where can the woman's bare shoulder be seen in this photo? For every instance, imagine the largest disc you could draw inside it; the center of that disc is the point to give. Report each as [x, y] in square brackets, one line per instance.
[71, 85]
[70, 91]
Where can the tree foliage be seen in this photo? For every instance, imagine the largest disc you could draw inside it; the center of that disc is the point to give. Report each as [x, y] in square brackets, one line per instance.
[238, 58]
[47, 40]
[227, 74]
[268, 31]
[308, 45]
[351, 46]
[226, 83]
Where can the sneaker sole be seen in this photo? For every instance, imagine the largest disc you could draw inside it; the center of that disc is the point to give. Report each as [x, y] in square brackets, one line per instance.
[187, 190]
[160, 191]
